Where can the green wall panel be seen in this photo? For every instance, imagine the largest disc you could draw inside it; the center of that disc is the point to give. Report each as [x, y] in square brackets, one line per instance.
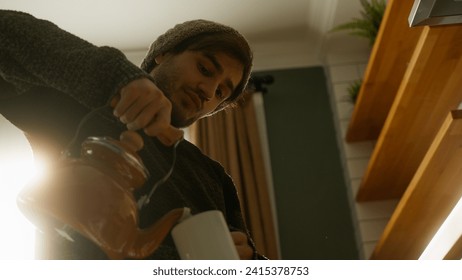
[314, 215]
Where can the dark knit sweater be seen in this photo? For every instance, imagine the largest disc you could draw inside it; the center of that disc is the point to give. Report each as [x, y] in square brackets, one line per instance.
[50, 79]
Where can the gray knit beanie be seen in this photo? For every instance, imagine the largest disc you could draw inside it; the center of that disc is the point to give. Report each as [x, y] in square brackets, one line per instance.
[193, 29]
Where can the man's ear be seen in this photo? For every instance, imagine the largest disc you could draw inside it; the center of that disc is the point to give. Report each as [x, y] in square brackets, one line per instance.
[160, 58]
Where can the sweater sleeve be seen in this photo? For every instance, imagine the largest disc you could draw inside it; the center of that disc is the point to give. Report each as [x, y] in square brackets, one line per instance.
[37, 53]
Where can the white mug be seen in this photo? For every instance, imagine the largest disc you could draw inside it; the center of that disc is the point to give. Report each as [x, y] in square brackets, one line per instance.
[204, 236]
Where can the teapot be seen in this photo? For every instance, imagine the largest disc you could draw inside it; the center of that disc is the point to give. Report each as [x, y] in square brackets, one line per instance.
[93, 195]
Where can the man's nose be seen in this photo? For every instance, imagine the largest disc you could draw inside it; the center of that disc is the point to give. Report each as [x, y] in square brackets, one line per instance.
[208, 89]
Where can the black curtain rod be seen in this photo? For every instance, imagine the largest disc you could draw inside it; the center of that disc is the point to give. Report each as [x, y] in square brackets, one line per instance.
[257, 83]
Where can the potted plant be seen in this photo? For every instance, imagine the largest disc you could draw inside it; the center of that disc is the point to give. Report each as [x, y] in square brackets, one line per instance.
[353, 90]
[368, 24]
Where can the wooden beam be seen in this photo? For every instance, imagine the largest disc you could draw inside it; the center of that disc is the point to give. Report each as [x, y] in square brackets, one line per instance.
[389, 58]
[432, 194]
[455, 253]
[431, 87]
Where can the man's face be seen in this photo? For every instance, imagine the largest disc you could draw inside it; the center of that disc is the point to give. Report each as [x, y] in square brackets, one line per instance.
[196, 82]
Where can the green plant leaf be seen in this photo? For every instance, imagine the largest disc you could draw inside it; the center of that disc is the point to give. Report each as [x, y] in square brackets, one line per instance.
[353, 90]
[368, 25]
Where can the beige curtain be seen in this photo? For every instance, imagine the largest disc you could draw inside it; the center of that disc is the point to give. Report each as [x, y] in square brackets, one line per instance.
[232, 138]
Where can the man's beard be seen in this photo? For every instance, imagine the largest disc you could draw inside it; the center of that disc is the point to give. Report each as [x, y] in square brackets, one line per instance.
[164, 77]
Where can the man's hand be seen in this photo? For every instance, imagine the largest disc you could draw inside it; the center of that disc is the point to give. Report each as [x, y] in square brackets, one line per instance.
[242, 245]
[142, 105]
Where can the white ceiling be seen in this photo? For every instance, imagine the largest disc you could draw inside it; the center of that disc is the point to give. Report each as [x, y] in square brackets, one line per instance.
[283, 33]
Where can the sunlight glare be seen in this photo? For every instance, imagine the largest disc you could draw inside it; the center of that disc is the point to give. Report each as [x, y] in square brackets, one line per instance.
[17, 167]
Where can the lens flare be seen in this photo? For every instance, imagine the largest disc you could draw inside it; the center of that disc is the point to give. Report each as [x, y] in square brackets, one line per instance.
[17, 167]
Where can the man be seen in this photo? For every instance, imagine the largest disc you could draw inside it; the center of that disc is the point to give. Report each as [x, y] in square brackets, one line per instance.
[51, 79]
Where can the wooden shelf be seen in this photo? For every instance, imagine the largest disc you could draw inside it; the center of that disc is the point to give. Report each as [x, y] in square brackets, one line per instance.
[430, 88]
[408, 103]
[389, 58]
[433, 192]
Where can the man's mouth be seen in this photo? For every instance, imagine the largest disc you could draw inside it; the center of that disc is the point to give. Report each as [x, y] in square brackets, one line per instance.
[195, 99]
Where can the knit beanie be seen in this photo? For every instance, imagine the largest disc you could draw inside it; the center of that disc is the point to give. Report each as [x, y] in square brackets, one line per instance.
[188, 31]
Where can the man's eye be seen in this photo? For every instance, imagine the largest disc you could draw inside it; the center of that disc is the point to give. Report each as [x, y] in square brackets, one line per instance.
[204, 70]
[219, 93]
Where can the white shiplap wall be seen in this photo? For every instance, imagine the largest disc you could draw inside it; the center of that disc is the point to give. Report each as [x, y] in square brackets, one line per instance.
[370, 218]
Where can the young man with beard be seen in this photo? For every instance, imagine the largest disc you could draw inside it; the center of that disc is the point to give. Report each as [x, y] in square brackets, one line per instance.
[50, 79]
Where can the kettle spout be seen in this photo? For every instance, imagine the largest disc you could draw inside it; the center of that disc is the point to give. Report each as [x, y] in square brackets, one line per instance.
[148, 240]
